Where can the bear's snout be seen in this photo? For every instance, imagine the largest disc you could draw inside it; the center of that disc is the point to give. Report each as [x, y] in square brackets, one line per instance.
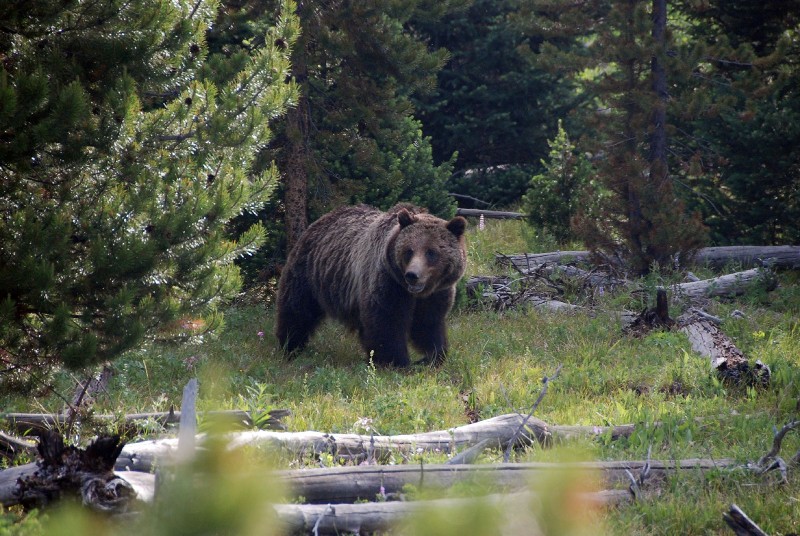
[414, 284]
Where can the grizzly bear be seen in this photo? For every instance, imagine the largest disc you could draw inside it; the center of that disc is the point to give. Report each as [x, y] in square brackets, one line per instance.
[389, 276]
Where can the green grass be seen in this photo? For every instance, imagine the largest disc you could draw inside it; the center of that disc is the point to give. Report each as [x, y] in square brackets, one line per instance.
[495, 366]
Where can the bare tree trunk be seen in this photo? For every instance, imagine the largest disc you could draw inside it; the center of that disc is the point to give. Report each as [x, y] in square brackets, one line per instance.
[297, 156]
[295, 174]
[659, 172]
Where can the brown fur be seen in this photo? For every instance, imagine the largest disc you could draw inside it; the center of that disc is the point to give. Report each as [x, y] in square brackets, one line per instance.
[389, 276]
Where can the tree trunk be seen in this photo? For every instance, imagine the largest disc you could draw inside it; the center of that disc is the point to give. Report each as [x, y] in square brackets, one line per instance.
[297, 156]
[659, 172]
[295, 175]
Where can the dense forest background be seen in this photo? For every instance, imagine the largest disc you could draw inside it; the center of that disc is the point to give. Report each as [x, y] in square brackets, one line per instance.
[156, 155]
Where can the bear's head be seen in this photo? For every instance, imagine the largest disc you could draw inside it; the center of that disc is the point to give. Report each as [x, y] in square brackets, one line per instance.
[430, 252]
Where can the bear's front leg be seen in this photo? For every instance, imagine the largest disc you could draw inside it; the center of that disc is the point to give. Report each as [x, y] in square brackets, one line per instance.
[384, 330]
[428, 329]
[385, 343]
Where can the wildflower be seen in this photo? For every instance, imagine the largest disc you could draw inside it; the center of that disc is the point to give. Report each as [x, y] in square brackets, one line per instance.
[481, 223]
[260, 335]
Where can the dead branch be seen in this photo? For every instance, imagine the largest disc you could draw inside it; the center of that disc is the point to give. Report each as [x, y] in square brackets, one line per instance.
[85, 392]
[771, 460]
[545, 383]
[742, 525]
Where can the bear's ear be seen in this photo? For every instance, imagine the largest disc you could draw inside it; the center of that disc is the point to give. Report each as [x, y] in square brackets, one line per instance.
[457, 225]
[405, 218]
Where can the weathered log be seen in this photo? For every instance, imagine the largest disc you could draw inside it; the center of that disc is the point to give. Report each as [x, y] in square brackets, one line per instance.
[494, 214]
[729, 361]
[747, 256]
[38, 423]
[714, 257]
[726, 285]
[63, 471]
[529, 261]
[381, 516]
[498, 431]
[11, 447]
[742, 525]
[356, 447]
[352, 483]
[348, 484]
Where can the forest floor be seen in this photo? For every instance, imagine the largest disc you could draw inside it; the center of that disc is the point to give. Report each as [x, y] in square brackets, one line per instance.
[495, 366]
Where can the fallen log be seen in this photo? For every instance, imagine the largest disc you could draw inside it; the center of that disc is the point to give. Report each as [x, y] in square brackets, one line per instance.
[530, 261]
[726, 285]
[739, 523]
[38, 423]
[746, 256]
[355, 448]
[726, 359]
[381, 516]
[353, 483]
[348, 484]
[494, 214]
[785, 257]
[11, 447]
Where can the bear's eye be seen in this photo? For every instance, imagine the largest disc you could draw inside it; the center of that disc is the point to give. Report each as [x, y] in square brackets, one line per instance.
[432, 255]
[407, 254]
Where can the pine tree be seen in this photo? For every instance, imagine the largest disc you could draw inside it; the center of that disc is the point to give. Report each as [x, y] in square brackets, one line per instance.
[746, 128]
[493, 106]
[122, 163]
[352, 138]
[622, 57]
[554, 194]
